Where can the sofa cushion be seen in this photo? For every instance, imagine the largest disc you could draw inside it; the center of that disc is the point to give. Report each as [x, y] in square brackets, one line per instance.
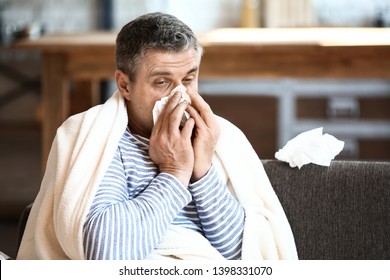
[336, 212]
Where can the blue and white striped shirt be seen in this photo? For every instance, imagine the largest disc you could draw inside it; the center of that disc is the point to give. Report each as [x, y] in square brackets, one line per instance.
[135, 204]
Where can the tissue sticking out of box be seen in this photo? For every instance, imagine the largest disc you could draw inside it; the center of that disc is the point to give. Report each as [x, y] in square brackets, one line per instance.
[160, 104]
[310, 147]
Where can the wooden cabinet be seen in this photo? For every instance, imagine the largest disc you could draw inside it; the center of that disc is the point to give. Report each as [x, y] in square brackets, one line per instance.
[356, 111]
[256, 116]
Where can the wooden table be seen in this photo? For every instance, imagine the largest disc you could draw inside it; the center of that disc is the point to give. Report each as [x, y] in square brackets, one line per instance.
[229, 53]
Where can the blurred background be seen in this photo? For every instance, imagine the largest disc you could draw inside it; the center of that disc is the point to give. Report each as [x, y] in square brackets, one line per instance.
[323, 102]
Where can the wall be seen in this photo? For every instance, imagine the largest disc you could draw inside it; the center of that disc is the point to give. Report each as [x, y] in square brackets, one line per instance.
[352, 12]
[306, 13]
[200, 15]
[52, 15]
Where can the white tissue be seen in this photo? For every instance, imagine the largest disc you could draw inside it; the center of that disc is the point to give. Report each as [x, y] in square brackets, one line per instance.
[310, 147]
[158, 107]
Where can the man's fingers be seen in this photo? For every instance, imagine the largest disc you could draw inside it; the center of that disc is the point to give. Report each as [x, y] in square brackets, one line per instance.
[171, 104]
[200, 105]
[195, 115]
[164, 119]
[188, 127]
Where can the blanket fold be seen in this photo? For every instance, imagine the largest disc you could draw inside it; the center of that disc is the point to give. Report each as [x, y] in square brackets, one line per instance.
[81, 153]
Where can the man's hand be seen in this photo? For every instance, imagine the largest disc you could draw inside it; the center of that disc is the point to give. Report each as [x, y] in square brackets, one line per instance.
[205, 135]
[171, 147]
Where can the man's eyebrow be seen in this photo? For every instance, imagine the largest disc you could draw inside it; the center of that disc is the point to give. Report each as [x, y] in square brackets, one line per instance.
[167, 73]
[160, 73]
[195, 69]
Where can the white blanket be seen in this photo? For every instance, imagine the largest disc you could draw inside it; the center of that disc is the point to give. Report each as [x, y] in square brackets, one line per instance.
[81, 153]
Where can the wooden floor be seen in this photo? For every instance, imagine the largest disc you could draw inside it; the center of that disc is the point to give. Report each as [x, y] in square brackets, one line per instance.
[20, 176]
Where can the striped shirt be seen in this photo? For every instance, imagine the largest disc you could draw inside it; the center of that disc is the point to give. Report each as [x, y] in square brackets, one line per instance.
[135, 204]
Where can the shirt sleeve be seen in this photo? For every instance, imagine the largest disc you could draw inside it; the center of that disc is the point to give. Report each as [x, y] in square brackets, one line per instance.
[221, 216]
[117, 227]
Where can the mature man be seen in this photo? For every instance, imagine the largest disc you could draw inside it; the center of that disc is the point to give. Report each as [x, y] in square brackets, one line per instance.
[122, 184]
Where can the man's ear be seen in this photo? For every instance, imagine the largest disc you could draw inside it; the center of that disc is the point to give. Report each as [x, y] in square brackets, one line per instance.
[123, 83]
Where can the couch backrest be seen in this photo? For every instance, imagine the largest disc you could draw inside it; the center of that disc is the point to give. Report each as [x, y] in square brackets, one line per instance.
[336, 212]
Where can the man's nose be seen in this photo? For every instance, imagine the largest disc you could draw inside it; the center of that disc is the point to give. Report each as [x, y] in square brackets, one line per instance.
[175, 86]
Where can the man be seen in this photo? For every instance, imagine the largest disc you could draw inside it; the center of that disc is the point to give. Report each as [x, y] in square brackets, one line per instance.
[122, 185]
[155, 54]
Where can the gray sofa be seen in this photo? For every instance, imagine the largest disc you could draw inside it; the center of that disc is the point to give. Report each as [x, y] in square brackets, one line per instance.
[336, 212]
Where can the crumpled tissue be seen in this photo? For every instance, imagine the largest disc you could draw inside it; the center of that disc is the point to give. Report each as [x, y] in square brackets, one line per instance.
[310, 147]
[160, 104]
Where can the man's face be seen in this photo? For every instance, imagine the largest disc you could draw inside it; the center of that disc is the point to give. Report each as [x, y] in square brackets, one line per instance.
[158, 74]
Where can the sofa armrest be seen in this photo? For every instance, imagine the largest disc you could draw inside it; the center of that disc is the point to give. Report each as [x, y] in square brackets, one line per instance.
[336, 212]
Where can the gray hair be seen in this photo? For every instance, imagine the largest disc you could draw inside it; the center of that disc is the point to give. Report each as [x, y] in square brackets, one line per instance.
[153, 31]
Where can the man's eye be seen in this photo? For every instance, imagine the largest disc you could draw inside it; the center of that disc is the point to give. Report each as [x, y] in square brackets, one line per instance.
[162, 83]
[188, 80]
